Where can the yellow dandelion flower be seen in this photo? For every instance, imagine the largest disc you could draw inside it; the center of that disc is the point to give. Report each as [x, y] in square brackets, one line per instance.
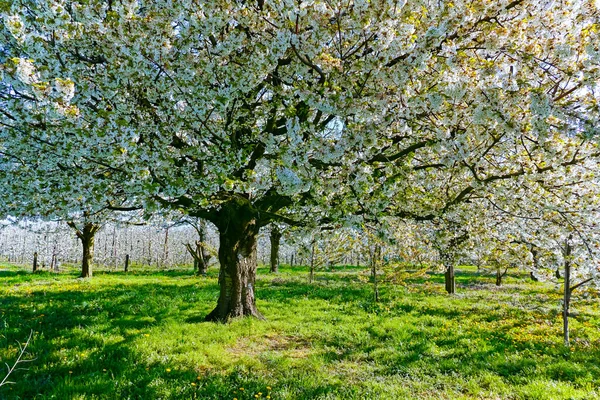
[193, 383]
[168, 369]
[242, 389]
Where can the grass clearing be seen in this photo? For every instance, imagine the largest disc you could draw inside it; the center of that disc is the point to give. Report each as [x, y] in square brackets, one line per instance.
[141, 335]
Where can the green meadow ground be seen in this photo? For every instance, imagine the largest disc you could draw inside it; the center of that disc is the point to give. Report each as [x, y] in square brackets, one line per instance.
[142, 336]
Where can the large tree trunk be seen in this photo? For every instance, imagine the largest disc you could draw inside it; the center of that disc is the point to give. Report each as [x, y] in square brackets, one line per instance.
[238, 234]
[275, 240]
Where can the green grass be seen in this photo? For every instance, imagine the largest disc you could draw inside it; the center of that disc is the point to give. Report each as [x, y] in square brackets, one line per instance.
[141, 336]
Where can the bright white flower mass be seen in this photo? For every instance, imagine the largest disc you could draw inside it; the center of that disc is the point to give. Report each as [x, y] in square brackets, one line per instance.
[352, 108]
[65, 88]
[26, 71]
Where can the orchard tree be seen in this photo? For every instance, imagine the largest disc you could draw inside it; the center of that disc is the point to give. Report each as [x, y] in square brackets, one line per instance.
[553, 227]
[202, 252]
[245, 113]
[66, 191]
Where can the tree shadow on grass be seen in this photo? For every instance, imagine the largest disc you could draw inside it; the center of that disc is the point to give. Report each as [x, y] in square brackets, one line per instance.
[79, 320]
[69, 346]
[73, 359]
[11, 274]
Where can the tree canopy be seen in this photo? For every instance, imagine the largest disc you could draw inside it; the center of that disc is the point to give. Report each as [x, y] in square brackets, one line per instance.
[244, 113]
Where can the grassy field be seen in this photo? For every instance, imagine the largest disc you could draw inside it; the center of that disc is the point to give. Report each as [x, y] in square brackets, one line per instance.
[141, 336]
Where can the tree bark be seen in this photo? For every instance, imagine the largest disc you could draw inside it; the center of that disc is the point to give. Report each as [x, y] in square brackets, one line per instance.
[54, 260]
[203, 259]
[238, 234]
[533, 278]
[35, 261]
[567, 293]
[165, 256]
[500, 275]
[200, 255]
[311, 276]
[86, 235]
[126, 262]
[375, 259]
[449, 279]
[275, 240]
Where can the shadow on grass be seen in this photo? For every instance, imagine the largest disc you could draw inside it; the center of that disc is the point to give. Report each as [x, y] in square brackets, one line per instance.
[10, 274]
[74, 359]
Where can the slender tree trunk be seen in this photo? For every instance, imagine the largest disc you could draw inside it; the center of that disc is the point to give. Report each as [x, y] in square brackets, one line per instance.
[165, 249]
[24, 250]
[200, 259]
[203, 259]
[55, 262]
[196, 266]
[203, 254]
[275, 240]
[500, 275]
[199, 253]
[374, 263]
[149, 247]
[238, 234]
[534, 256]
[114, 247]
[567, 293]
[449, 279]
[533, 278]
[35, 261]
[311, 276]
[126, 262]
